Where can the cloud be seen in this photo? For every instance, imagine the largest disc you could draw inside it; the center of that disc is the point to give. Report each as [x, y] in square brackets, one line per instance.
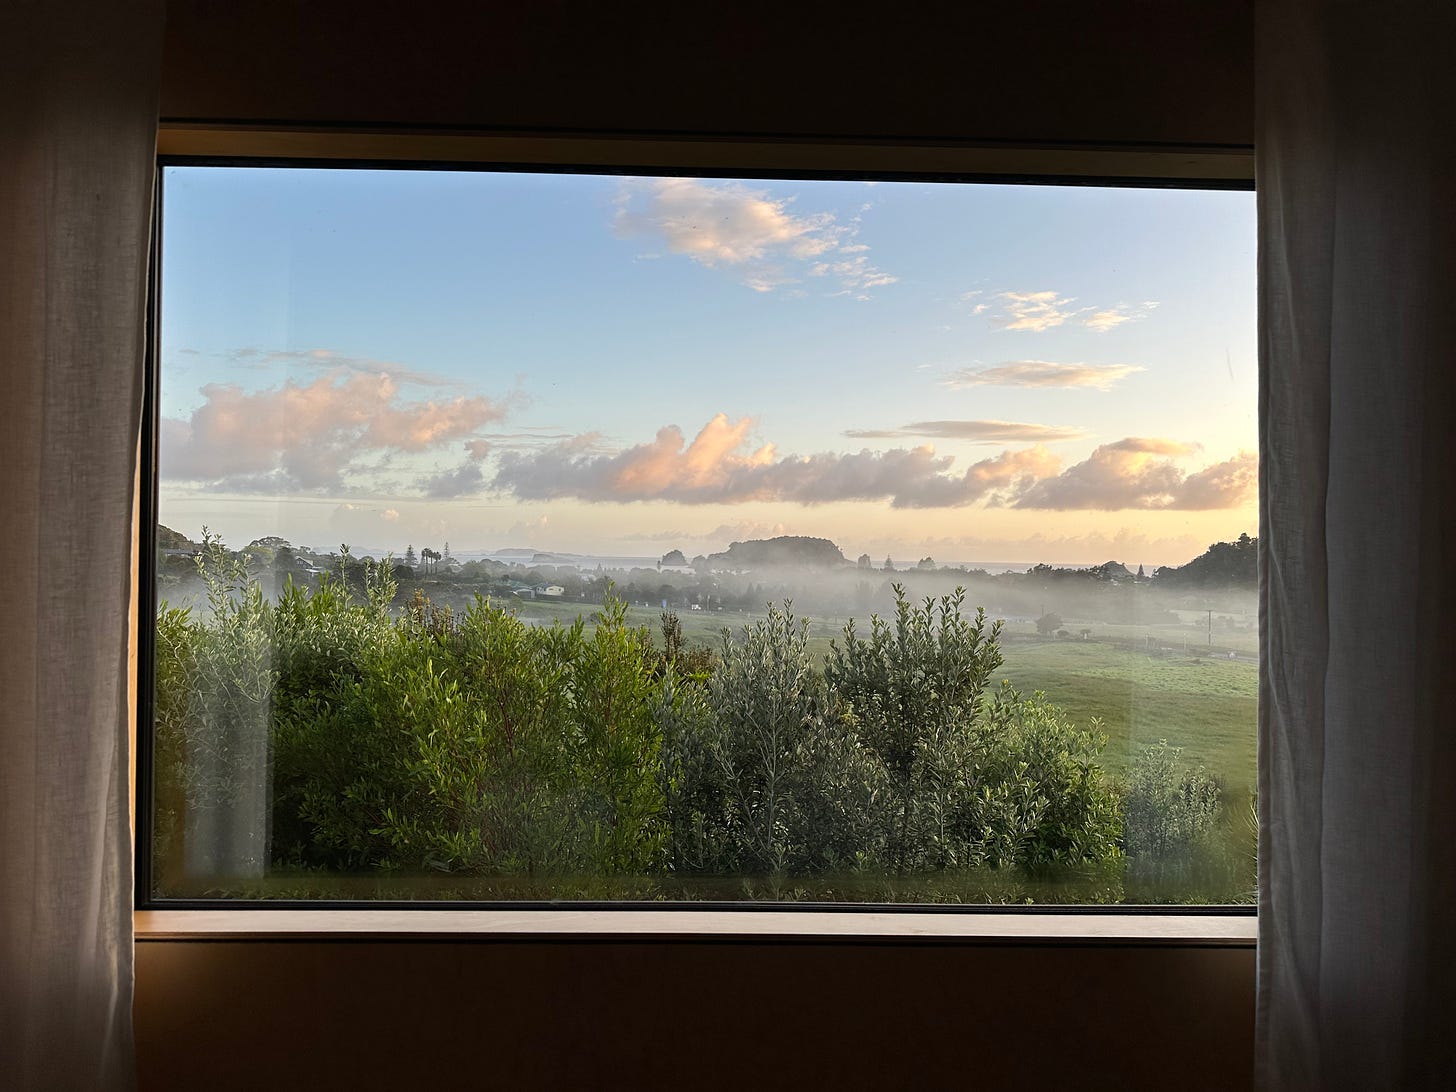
[731, 224]
[333, 361]
[1112, 317]
[528, 528]
[1040, 311]
[1042, 373]
[311, 436]
[1141, 473]
[477, 449]
[1035, 311]
[981, 432]
[463, 481]
[351, 522]
[719, 466]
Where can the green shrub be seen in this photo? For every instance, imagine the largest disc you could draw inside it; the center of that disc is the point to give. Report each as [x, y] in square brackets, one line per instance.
[487, 745]
[1168, 807]
[470, 741]
[915, 692]
[764, 774]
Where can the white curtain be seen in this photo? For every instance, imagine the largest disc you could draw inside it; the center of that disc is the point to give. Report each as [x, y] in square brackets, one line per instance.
[1356, 150]
[78, 111]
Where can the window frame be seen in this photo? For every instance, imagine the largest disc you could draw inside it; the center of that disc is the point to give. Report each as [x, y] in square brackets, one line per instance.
[1126, 166]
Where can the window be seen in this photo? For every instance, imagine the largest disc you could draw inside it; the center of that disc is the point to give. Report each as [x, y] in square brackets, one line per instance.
[580, 537]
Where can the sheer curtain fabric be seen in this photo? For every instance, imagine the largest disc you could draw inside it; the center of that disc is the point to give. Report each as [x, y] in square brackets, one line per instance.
[1357, 274]
[78, 112]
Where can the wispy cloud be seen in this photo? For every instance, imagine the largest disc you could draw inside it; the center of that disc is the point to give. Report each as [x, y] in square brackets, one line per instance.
[731, 224]
[1045, 310]
[1033, 311]
[313, 436]
[1042, 373]
[981, 432]
[333, 361]
[1142, 473]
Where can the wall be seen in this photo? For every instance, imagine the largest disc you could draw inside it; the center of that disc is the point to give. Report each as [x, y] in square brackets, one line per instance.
[227, 1015]
[330, 1014]
[1119, 71]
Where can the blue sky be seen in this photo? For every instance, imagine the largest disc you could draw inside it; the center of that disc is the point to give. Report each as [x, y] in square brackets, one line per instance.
[612, 365]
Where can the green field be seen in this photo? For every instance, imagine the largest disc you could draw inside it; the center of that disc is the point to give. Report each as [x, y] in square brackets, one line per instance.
[1208, 707]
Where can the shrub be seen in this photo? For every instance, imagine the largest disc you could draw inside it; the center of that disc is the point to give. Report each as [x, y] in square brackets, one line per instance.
[1168, 808]
[763, 772]
[487, 745]
[915, 693]
[472, 741]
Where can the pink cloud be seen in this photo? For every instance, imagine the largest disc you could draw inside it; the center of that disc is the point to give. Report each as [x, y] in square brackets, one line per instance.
[309, 435]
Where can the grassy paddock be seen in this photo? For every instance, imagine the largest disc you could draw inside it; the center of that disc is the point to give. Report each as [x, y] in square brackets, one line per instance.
[1207, 707]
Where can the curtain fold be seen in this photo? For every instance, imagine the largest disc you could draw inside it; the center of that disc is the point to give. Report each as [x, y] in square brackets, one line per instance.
[79, 85]
[1357, 780]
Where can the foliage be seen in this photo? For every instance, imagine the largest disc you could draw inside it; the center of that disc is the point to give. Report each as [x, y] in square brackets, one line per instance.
[1169, 808]
[485, 744]
[1224, 564]
[470, 741]
[764, 773]
[974, 778]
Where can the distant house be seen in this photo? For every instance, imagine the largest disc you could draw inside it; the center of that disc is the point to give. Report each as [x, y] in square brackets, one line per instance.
[550, 591]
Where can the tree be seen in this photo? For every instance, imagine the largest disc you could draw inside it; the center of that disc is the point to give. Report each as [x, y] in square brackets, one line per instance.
[926, 564]
[865, 562]
[889, 565]
[1048, 624]
[409, 556]
[672, 557]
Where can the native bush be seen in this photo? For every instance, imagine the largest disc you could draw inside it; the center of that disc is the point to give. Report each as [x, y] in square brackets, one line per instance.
[1169, 808]
[915, 691]
[472, 741]
[488, 745]
[764, 773]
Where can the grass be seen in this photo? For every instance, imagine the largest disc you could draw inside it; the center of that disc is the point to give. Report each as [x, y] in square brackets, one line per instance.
[1208, 707]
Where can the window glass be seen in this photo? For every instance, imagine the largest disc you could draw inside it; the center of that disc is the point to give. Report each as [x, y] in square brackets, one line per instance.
[562, 536]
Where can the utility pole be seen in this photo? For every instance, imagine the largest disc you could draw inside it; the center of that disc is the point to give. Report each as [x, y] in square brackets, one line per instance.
[1210, 629]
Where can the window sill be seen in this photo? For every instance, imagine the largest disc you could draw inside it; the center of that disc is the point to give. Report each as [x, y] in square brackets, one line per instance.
[1113, 929]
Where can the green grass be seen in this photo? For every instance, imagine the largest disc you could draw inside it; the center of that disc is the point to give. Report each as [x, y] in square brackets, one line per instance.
[1205, 706]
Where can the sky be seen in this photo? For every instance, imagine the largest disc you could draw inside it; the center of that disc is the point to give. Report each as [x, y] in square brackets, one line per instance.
[623, 366]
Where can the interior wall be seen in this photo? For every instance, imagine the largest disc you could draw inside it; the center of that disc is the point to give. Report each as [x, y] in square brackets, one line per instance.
[670, 1014]
[1040, 71]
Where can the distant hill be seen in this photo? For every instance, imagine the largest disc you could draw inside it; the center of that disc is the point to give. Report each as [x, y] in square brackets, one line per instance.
[1222, 565]
[168, 539]
[789, 550]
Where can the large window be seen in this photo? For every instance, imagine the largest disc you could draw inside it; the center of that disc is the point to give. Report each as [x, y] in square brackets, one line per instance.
[570, 536]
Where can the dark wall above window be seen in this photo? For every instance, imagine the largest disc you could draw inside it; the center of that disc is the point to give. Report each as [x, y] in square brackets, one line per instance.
[1055, 71]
